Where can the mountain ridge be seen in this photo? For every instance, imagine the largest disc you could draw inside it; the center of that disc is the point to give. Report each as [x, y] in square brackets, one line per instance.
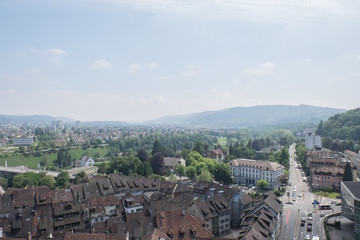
[251, 116]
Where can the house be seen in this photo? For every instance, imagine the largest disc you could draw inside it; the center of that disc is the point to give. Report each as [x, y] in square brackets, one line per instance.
[179, 224]
[215, 213]
[86, 161]
[216, 154]
[103, 208]
[239, 203]
[262, 221]
[171, 162]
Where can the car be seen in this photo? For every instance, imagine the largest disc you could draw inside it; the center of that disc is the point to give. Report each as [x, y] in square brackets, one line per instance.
[310, 214]
[322, 214]
[303, 221]
[310, 222]
[310, 218]
[307, 237]
[294, 198]
[309, 228]
[338, 204]
[300, 195]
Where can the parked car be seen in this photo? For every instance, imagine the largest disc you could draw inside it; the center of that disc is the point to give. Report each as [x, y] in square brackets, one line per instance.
[322, 214]
[309, 228]
[307, 237]
[300, 195]
[310, 222]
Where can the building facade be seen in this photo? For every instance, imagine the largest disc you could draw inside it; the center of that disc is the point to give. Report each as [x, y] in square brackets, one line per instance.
[350, 204]
[249, 172]
[24, 141]
[312, 141]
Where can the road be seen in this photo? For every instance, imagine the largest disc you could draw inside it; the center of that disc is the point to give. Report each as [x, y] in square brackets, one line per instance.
[294, 210]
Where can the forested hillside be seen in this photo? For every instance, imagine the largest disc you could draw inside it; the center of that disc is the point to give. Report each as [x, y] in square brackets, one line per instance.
[344, 126]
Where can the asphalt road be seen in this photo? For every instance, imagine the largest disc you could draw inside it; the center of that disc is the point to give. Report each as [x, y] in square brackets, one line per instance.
[301, 206]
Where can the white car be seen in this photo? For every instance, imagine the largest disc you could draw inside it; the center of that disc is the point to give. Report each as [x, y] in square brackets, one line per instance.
[307, 237]
[300, 195]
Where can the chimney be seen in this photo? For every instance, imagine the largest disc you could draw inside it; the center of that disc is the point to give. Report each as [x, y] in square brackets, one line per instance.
[183, 212]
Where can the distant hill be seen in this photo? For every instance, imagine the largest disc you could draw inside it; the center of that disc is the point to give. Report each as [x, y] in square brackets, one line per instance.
[252, 116]
[342, 126]
[34, 119]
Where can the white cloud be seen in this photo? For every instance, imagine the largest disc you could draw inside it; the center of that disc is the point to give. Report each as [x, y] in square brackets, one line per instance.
[191, 70]
[57, 52]
[134, 68]
[32, 71]
[263, 70]
[248, 10]
[101, 65]
[153, 100]
[152, 65]
[307, 59]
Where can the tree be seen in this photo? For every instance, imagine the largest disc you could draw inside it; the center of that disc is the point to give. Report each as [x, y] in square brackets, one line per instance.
[348, 176]
[102, 168]
[222, 173]
[180, 170]
[157, 148]
[191, 172]
[62, 180]
[144, 169]
[157, 163]
[3, 182]
[204, 176]
[44, 160]
[143, 155]
[262, 184]
[199, 147]
[81, 177]
[283, 179]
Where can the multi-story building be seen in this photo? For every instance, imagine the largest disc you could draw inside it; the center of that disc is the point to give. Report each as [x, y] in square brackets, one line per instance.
[312, 141]
[327, 168]
[24, 141]
[350, 204]
[215, 213]
[249, 172]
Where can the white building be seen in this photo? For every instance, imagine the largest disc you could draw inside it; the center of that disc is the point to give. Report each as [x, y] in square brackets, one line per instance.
[24, 141]
[86, 161]
[312, 141]
[249, 172]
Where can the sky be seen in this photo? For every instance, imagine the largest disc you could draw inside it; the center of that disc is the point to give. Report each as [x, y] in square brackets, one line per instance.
[136, 60]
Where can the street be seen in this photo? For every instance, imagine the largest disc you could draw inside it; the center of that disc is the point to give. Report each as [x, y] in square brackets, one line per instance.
[299, 204]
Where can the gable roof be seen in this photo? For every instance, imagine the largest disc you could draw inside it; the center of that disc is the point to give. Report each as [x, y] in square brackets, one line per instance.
[181, 225]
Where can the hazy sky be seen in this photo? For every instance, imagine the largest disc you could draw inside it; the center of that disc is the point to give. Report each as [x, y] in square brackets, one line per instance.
[134, 60]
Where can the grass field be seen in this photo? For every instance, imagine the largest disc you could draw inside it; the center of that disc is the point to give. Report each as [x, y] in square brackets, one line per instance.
[32, 161]
[333, 195]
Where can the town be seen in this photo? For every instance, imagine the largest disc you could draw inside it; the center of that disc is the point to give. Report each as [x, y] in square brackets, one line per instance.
[73, 180]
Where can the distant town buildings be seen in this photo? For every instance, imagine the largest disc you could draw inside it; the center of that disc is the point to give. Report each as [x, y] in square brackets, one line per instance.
[312, 141]
[24, 141]
[249, 172]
